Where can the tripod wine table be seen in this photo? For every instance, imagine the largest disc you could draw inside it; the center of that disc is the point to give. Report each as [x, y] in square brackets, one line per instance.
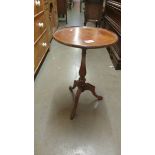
[84, 38]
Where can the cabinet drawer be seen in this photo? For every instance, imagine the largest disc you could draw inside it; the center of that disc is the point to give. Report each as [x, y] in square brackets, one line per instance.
[40, 49]
[38, 6]
[39, 26]
[43, 44]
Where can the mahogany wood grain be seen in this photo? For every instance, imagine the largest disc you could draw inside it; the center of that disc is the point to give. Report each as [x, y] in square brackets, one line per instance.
[85, 37]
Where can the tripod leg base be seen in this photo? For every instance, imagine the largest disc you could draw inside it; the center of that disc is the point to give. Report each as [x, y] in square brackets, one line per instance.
[91, 88]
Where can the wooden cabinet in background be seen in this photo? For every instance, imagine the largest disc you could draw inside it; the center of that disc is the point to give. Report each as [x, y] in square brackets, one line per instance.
[112, 21]
[53, 17]
[62, 8]
[44, 27]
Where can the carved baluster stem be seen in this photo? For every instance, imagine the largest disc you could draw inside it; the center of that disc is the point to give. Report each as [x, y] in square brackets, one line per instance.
[82, 71]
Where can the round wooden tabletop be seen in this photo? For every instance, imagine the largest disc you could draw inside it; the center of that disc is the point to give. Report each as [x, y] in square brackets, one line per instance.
[85, 37]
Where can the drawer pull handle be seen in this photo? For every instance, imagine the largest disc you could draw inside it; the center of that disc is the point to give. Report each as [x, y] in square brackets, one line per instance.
[44, 44]
[41, 25]
[37, 2]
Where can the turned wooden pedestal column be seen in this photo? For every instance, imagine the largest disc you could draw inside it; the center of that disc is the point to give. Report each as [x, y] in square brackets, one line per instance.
[81, 84]
[84, 38]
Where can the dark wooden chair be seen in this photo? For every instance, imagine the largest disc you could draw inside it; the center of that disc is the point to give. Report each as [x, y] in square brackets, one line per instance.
[62, 8]
[93, 12]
